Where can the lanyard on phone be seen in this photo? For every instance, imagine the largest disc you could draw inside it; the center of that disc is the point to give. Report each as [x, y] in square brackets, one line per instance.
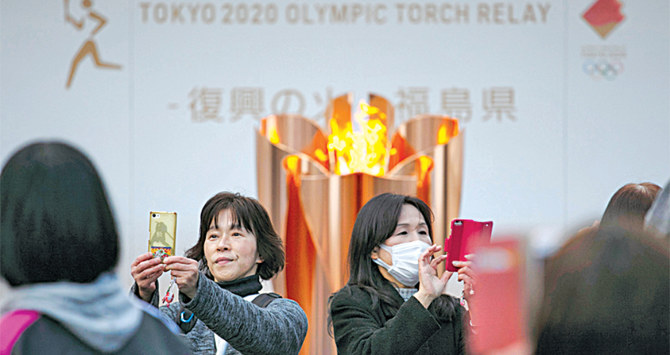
[464, 302]
[169, 296]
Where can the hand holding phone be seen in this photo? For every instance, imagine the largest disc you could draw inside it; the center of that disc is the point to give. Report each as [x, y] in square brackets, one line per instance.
[465, 234]
[162, 233]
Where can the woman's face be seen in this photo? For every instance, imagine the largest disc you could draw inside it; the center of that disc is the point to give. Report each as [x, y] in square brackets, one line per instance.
[230, 251]
[411, 226]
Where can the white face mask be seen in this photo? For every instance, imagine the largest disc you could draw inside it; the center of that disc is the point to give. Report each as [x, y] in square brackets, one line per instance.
[405, 259]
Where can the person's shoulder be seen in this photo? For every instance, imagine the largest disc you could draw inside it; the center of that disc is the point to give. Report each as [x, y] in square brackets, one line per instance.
[153, 322]
[44, 335]
[157, 313]
[351, 294]
[281, 302]
[157, 335]
[13, 325]
[289, 312]
[265, 299]
[287, 306]
[352, 290]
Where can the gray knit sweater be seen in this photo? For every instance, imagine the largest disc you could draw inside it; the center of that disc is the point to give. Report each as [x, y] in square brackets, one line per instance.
[280, 328]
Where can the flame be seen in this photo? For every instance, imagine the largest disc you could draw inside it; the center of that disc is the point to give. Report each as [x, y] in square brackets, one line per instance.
[291, 163]
[269, 130]
[321, 155]
[274, 135]
[425, 166]
[442, 136]
[447, 130]
[364, 151]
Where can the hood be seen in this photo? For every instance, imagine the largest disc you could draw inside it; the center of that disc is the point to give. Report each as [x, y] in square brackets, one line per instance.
[100, 314]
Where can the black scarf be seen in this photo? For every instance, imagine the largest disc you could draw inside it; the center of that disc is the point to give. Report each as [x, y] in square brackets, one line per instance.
[244, 286]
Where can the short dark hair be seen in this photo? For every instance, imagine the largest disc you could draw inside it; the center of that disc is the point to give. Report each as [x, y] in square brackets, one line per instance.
[250, 214]
[57, 224]
[629, 204]
[607, 291]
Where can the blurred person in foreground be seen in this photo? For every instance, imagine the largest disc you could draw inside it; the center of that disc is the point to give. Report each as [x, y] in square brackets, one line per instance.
[607, 291]
[58, 249]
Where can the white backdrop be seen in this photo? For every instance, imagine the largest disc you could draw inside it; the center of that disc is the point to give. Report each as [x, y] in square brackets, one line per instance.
[556, 115]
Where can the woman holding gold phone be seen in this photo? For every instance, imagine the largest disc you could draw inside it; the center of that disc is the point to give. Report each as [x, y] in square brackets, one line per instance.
[219, 281]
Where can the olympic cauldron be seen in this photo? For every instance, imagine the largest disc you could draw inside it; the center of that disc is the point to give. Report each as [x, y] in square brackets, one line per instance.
[313, 184]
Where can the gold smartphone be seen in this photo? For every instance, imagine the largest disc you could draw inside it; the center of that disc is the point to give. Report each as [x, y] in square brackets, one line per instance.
[162, 233]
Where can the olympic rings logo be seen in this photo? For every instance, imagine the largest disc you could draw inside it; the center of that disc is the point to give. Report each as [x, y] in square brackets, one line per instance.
[602, 68]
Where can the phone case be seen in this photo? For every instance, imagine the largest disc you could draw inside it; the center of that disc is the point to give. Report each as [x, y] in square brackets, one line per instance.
[162, 233]
[465, 233]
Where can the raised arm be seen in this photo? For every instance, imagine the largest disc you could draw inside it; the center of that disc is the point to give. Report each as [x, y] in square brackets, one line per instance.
[77, 24]
[280, 328]
[69, 18]
[101, 21]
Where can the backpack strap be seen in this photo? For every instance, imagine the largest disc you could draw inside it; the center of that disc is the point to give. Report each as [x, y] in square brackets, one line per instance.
[12, 326]
[264, 299]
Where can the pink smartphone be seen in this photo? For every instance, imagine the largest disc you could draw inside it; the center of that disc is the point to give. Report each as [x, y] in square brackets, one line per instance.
[465, 233]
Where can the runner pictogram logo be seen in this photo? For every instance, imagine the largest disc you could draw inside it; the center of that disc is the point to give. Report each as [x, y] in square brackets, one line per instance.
[89, 46]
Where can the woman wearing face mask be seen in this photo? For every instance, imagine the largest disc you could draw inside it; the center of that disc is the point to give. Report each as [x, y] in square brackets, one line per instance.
[394, 301]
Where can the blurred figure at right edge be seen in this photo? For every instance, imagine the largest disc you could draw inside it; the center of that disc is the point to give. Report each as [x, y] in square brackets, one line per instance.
[657, 220]
[628, 206]
[607, 292]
